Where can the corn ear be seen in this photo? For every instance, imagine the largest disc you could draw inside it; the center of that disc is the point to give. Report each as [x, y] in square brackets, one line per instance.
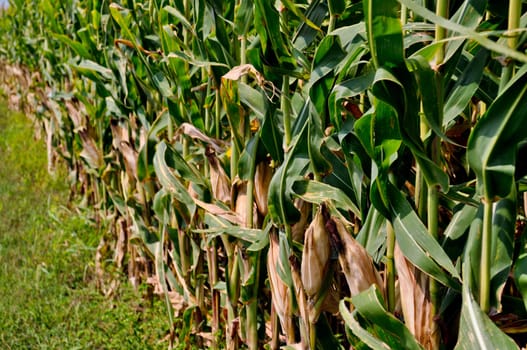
[354, 260]
[316, 255]
[262, 178]
[298, 230]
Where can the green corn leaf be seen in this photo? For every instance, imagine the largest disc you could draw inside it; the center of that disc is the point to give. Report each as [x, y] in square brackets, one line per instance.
[271, 137]
[431, 91]
[328, 56]
[254, 99]
[344, 174]
[503, 228]
[248, 158]
[417, 245]
[176, 161]
[94, 71]
[502, 246]
[372, 235]
[76, 46]
[123, 18]
[318, 192]
[179, 16]
[388, 331]
[280, 198]
[294, 8]
[476, 330]
[244, 17]
[402, 98]
[465, 87]
[463, 30]
[346, 90]
[267, 24]
[520, 269]
[350, 319]
[460, 222]
[307, 33]
[469, 15]
[170, 182]
[384, 30]
[493, 143]
[219, 226]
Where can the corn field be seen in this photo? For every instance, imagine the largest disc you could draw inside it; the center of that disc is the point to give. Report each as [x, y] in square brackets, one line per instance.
[312, 174]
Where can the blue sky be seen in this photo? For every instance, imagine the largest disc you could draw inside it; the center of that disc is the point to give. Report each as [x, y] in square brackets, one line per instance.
[3, 3]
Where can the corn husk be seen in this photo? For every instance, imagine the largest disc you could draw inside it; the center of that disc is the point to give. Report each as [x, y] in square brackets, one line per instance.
[415, 301]
[315, 256]
[298, 230]
[356, 263]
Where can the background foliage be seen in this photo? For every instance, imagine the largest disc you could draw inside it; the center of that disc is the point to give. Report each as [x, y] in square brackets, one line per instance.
[312, 173]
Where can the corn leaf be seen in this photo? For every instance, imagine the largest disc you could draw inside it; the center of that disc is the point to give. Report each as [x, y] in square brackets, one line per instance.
[494, 141]
[384, 32]
[477, 331]
[170, 182]
[382, 324]
[417, 245]
[465, 87]
[318, 192]
[466, 31]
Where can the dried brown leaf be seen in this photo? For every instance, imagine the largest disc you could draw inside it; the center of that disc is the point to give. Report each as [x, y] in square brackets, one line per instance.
[219, 181]
[223, 213]
[131, 157]
[190, 130]
[90, 152]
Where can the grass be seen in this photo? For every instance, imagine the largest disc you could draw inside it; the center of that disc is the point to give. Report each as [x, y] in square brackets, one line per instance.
[48, 297]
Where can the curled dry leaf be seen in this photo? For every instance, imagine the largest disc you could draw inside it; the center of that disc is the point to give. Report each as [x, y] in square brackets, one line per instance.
[79, 122]
[316, 255]
[415, 301]
[190, 130]
[219, 181]
[131, 158]
[223, 213]
[90, 152]
[119, 134]
[356, 263]
[248, 69]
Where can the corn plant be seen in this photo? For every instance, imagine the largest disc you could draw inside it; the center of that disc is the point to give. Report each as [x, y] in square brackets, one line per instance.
[310, 174]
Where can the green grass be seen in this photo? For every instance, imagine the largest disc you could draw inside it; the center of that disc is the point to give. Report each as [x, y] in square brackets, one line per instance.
[48, 299]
